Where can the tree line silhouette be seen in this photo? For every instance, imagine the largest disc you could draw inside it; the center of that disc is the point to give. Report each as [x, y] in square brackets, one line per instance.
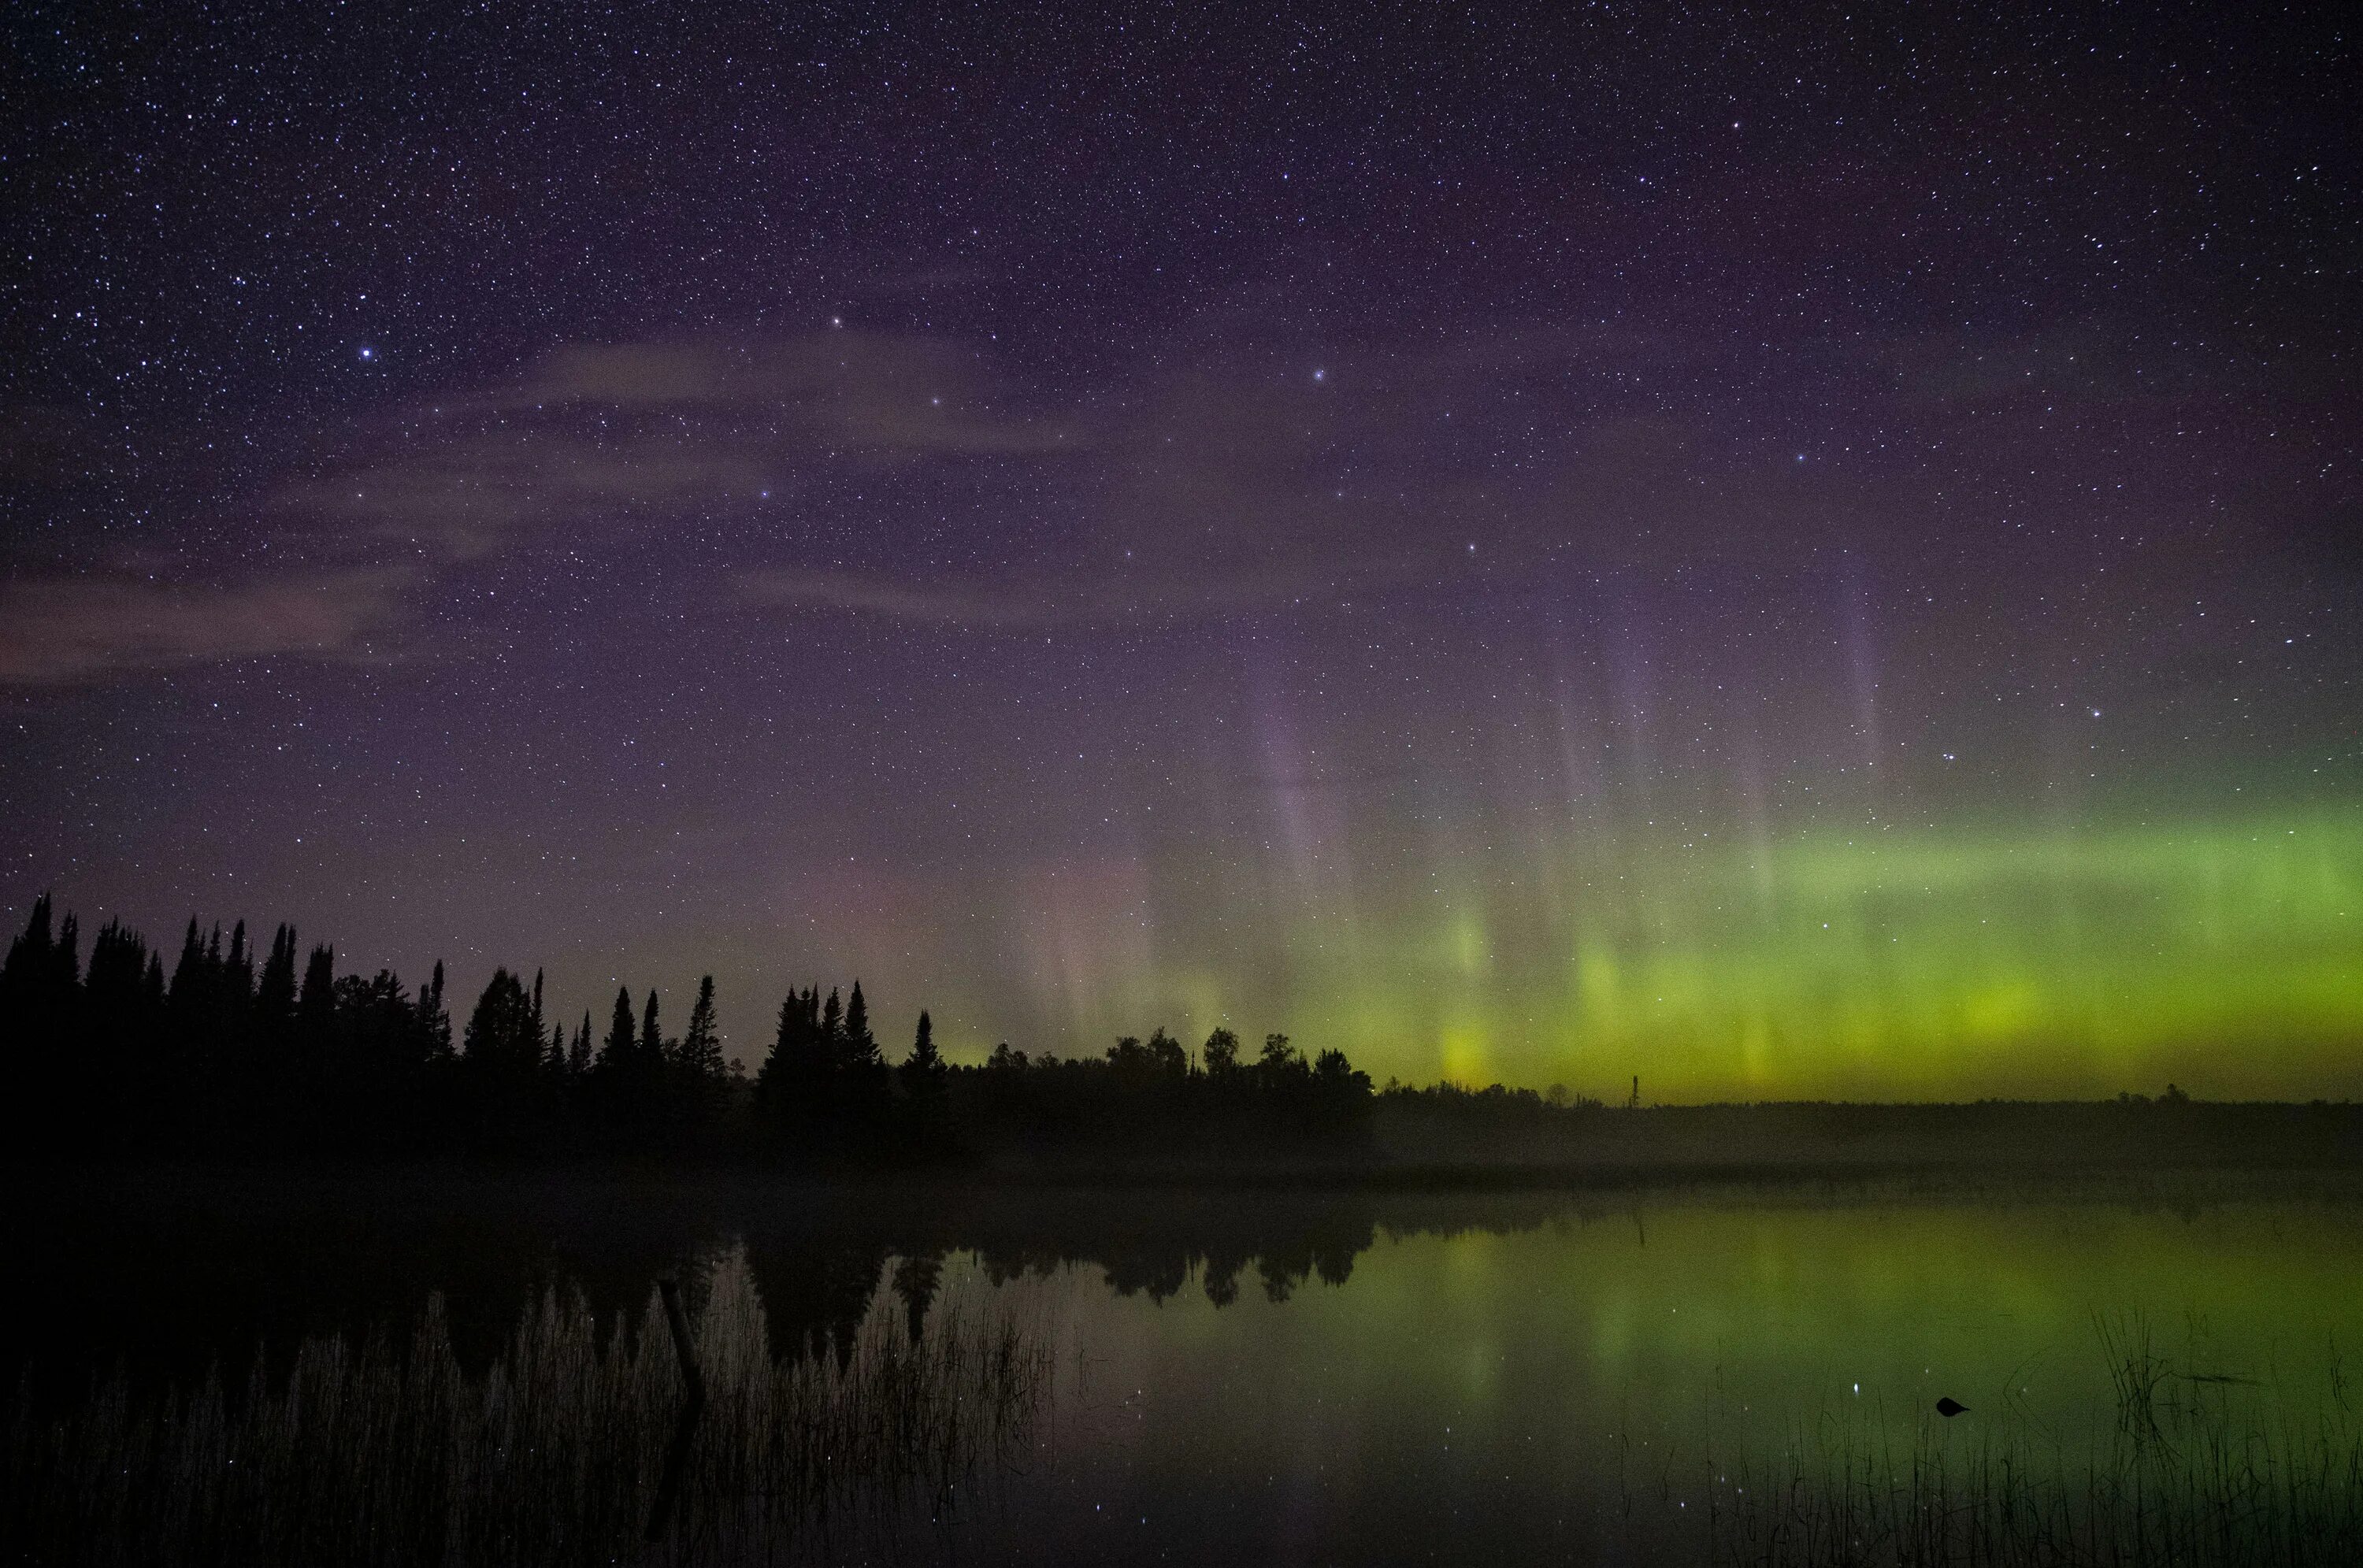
[237, 1049]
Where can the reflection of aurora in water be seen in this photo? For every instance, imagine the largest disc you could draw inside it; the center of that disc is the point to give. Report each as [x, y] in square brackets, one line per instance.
[1246, 1376]
[1897, 962]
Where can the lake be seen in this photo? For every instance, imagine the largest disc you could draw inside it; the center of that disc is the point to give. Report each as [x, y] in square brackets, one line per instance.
[1253, 1376]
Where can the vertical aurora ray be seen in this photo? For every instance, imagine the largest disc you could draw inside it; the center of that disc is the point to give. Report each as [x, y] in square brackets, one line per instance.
[1931, 962]
[1899, 964]
[1776, 614]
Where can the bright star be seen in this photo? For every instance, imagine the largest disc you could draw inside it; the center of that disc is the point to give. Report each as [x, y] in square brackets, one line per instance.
[368, 352]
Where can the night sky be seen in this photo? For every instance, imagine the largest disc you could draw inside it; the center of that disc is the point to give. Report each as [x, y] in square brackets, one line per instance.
[1782, 551]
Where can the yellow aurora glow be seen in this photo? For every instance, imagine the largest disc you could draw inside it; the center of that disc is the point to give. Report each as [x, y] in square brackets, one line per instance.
[1902, 964]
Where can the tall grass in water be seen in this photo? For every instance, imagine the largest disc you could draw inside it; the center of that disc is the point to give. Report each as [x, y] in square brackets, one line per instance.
[393, 1453]
[2187, 1469]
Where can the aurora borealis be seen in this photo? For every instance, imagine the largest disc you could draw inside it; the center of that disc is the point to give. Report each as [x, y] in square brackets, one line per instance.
[1785, 557]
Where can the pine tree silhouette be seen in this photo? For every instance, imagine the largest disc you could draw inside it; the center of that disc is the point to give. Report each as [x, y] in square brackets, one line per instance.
[501, 1064]
[434, 1021]
[274, 993]
[121, 1025]
[316, 1002]
[700, 1044]
[653, 1040]
[864, 1086]
[224, 1058]
[501, 1037]
[793, 1086]
[617, 1051]
[923, 1071]
[857, 1047]
[44, 1079]
[925, 1080]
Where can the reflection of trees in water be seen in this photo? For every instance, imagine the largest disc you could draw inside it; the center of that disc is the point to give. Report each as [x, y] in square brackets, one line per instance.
[168, 1278]
[817, 1284]
[816, 1287]
[576, 1439]
[1221, 1272]
[916, 1280]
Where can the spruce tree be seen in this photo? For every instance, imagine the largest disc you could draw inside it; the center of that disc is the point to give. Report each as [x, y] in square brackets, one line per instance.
[38, 990]
[29, 955]
[501, 1037]
[505, 1097]
[434, 1020]
[923, 1072]
[239, 974]
[858, 1048]
[616, 1052]
[188, 975]
[315, 1003]
[701, 1045]
[925, 1084]
[864, 1085]
[652, 1043]
[274, 993]
[235, 1000]
[771, 1078]
[794, 1084]
[120, 1023]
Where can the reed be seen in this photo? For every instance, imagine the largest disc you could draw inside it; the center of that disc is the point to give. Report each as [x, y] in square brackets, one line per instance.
[392, 1452]
[2181, 1467]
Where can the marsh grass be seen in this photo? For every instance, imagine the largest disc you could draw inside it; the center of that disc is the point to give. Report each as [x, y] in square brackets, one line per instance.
[2183, 1467]
[392, 1452]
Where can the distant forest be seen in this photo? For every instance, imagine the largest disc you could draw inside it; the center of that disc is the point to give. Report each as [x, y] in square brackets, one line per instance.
[241, 1049]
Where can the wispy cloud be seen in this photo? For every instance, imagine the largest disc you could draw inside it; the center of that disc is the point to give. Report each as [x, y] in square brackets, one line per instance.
[979, 602]
[918, 477]
[60, 631]
[880, 394]
[635, 436]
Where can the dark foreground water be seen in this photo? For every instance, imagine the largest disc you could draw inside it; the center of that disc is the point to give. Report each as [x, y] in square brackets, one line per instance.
[1225, 1377]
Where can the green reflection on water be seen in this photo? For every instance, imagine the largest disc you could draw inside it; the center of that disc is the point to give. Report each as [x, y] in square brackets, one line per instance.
[1574, 1382]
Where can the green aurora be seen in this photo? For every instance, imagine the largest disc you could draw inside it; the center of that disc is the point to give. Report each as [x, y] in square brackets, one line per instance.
[1909, 962]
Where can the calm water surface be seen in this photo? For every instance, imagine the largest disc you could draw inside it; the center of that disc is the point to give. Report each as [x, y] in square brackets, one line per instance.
[1343, 1378]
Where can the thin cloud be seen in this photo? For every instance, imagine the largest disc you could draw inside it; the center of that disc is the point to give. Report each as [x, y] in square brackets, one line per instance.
[65, 631]
[851, 392]
[1225, 478]
[636, 436]
[962, 604]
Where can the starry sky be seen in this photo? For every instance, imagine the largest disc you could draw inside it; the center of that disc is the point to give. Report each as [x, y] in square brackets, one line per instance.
[1788, 551]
